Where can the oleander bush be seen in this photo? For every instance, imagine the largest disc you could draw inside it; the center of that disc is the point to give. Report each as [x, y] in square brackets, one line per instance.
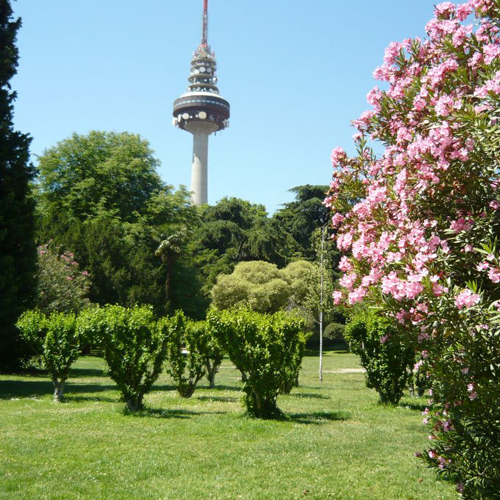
[61, 286]
[418, 226]
[268, 351]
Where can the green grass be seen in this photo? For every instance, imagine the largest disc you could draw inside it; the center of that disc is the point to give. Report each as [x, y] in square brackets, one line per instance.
[338, 443]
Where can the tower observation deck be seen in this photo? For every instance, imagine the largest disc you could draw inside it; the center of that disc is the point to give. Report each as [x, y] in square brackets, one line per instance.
[201, 110]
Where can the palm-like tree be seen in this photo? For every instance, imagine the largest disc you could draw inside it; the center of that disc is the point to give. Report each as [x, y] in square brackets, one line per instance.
[169, 250]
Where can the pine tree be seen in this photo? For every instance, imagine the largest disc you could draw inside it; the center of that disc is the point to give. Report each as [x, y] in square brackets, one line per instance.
[17, 244]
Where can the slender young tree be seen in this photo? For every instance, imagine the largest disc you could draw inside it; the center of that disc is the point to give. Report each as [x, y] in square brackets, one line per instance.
[17, 244]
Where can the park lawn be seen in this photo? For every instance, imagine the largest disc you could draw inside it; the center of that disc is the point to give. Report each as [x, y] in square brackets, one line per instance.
[338, 442]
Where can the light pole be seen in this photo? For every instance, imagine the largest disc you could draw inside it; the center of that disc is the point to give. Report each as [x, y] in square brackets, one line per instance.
[321, 306]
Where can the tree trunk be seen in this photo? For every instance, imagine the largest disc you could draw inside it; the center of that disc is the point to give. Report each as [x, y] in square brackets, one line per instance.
[58, 390]
[167, 287]
[134, 403]
[258, 404]
[211, 378]
[168, 283]
[211, 372]
[186, 390]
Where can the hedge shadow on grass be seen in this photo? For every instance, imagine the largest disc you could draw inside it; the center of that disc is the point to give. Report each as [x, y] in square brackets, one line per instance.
[337, 348]
[222, 388]
[414, 406]
[318, 417]
[169, 413]
[221, 399]
[69, 397]
[163, 388]
[29, 388]
[86, 372]
[309, 395]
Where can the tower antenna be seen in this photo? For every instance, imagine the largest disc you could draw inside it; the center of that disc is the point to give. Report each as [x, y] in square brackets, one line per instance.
[204, 30]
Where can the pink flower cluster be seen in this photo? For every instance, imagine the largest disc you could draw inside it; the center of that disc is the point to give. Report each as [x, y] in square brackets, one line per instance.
[466, 299]
[443, 462]
[489, 265]
[390, 244]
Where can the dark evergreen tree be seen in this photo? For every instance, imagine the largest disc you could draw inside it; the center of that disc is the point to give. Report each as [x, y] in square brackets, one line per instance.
[17, 244]
[233, 231]
[303, 216]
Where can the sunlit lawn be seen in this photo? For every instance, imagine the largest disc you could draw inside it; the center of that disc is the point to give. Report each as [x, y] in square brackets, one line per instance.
[338, 443]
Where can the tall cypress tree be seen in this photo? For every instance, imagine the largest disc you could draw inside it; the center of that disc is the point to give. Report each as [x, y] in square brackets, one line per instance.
[17, 244]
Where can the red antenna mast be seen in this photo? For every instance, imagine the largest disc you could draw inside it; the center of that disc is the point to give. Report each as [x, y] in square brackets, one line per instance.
[204, 31]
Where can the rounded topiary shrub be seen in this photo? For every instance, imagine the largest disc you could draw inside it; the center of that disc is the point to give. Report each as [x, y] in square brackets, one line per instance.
[268, 351]
[134, 344]
[387, 362]
[334, 331]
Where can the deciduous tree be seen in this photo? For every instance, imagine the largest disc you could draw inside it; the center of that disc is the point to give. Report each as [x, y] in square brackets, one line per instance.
[263, 287]
[101, 198]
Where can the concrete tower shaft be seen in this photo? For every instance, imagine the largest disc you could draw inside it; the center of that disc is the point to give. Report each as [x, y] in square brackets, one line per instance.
[201, 110]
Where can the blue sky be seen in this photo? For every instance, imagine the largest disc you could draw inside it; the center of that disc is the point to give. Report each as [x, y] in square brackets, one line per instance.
[295, 72]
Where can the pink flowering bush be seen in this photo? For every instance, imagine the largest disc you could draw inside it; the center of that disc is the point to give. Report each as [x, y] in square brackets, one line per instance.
[418, 225]
[62, 285]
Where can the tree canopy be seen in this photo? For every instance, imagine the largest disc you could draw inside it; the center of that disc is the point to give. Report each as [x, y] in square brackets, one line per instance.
[233, 231]
[110, 172]
[262, 286]
[101, 198]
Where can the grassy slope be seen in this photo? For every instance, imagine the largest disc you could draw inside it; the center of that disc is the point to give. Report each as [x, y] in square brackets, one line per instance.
[338, 444]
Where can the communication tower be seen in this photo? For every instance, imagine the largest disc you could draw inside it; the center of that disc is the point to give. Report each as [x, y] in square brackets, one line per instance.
[201, 110]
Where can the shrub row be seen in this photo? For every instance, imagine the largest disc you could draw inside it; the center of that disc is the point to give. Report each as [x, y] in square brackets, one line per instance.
[135, 346]
[267, 349]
